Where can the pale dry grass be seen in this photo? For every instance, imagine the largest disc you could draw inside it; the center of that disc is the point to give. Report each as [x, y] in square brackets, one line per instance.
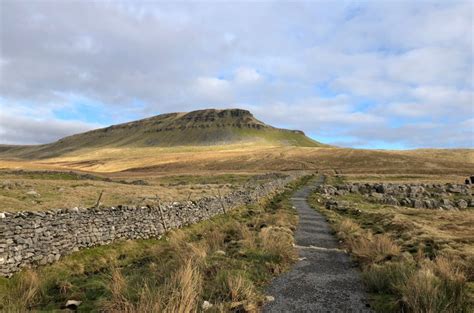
[179, 295]
[185, 289]
[242, 293]
[373, 248]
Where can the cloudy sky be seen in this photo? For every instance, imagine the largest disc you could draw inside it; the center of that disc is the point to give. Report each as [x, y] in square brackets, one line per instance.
[371, 74]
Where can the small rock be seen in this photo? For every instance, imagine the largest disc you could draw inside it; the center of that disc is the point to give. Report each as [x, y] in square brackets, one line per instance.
[33, 193]
[73, 304]
[269, 298]
[206, 305]
[220, 252]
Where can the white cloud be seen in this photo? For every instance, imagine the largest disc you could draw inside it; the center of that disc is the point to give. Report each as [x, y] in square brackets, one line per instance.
[27, 130]
[245, 75]
[407, 59]
[211, 89]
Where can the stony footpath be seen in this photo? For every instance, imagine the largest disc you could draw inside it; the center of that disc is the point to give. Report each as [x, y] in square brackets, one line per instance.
[324, 279]
[428, 196]
[38, 238]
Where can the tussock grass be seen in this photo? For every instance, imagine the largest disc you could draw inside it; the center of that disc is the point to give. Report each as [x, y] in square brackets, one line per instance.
[373, 248]
[21, 292]
[276, 241]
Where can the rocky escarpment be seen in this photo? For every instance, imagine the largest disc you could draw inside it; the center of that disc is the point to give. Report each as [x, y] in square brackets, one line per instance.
[37, 238]
[429, 196]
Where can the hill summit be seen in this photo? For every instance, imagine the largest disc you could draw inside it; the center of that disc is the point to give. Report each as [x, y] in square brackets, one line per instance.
[197, 128]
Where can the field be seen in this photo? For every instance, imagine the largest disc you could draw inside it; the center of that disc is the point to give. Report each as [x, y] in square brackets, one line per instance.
[136, 175]
[42, 190]
[252, 157]
[398, 247]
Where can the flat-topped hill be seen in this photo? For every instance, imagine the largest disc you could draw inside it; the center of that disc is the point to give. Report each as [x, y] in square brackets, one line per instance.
[197, 128]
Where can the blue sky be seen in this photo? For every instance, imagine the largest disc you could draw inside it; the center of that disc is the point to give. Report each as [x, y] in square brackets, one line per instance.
[367, 74]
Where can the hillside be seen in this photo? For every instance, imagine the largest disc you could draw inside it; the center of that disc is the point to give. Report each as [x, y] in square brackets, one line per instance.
[198, 128]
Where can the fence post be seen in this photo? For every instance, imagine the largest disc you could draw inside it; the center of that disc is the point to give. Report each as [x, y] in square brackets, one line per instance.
[161, 215]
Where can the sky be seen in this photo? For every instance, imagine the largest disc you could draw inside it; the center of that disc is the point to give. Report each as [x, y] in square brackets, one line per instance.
[364, 74]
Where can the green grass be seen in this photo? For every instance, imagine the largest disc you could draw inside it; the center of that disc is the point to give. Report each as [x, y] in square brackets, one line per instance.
[234, 256]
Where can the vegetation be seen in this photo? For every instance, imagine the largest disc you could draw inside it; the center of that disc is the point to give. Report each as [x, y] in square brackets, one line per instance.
[226, 261]
[413, 260]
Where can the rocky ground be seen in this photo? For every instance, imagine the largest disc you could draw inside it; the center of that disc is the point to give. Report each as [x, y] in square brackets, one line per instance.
[429, 196]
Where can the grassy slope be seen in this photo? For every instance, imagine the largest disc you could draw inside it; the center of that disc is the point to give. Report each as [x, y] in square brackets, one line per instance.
[226, 260]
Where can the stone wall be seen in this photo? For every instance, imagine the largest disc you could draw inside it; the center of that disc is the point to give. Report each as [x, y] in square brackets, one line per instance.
[428, 196]
[37, 238]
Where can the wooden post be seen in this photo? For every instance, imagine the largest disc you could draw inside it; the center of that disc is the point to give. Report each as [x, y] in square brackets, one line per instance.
[161, 215]
[97, 205]
[220, 200]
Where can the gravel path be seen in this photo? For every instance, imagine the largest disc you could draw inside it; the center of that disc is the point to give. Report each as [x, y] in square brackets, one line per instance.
[325, 279]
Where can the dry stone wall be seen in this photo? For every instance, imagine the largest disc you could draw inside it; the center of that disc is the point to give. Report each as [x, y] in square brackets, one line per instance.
[38, 238]
[420, 196]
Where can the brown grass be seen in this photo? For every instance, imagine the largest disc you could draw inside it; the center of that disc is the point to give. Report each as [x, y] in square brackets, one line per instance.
[252, 157]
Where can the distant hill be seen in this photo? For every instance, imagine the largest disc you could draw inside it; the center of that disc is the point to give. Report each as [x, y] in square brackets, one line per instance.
[198, 128]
